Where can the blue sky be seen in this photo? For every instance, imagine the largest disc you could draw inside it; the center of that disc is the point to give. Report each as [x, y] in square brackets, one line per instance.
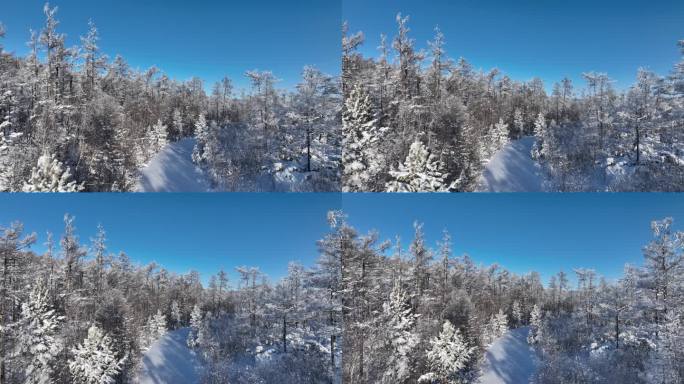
[208, 38]
[545, 232]
[522, 232]
[180, 232]
[549, 39]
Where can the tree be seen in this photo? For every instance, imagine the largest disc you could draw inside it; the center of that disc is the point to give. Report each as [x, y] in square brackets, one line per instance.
[496, 327]
[420, 172]
[94, 361]
[519, 123]
[401, 337]
[36, 334]
[540, 149]
[50, 176]
[195, 327]
[176, 314]
[516, 312]
[535, 334]
[499, 135]
[154, 329]
[361, 139]
[160, 136]
[448, 355]
[202, 137]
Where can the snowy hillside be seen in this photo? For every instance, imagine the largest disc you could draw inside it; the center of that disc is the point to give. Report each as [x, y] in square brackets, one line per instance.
[512, 169]
[509, 359]
[170, 361]
[172, 170]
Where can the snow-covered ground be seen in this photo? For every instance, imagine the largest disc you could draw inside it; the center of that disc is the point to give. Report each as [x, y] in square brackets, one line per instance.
[512, 169]
[509, 360]
[170, 361]
[172, 170]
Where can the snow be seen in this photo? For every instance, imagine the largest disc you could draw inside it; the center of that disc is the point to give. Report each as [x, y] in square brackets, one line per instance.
[509, 359]
[512, 169]
[172, 170]
[170, 361]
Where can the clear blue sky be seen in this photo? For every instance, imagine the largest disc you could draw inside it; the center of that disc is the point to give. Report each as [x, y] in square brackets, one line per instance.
[549, 39]
[545, 232]
[204, 232]
[207, 38]
[522, 232]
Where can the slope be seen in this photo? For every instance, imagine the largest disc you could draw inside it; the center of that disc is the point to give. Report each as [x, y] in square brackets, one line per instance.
[172, 170]
[512, 169]
[509, 360]
[170, 361]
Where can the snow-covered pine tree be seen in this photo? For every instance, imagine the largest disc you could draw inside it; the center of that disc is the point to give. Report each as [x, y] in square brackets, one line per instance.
[36, 337]
[519, 123]
[176, 317]
[499, 135]
[94, 361]
[516, 312]
[201, 135]
[539, 151]
[49, 175]
[495, 328]
[402, 339]
[160, 136]
[152, 331]
[420, 172]
[195, 327]
[361, 159]
[535, 334]
[448, 355]
[159, 327]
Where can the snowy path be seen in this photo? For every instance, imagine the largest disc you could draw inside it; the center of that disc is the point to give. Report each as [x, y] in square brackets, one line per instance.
[509, 360]
[169, 361]
[512, 169]
[172, 170]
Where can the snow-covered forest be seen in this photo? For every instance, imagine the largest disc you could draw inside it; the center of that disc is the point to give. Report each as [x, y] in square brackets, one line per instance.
[72, 119]
[77, 313]
[421, 314]
[416, 120]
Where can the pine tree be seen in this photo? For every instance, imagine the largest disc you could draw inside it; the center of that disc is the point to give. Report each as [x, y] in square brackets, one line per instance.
[195, 327]
[175, 314]
[540, 132]
[94, 361]
[535, 334]
[50, 176]
[421, 172]
[516, 312]
[499, 135]
[448, 355]
[160, 136]
[361, 139]
[36, 337]
[519, 123]
[402, 340]
[202, 136]
[495, 328]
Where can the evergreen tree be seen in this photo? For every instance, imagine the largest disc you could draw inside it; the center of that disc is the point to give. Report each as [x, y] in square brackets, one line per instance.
[37, 337]
[50, 176]
[94, 361]
[360, 143]
[402, 340]
[449, 355]
[421, 172]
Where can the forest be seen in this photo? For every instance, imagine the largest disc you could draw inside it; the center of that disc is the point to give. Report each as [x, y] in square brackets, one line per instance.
[417, 120]
[78, 313]
[368, 311]
[72, 119]
[421, 314]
